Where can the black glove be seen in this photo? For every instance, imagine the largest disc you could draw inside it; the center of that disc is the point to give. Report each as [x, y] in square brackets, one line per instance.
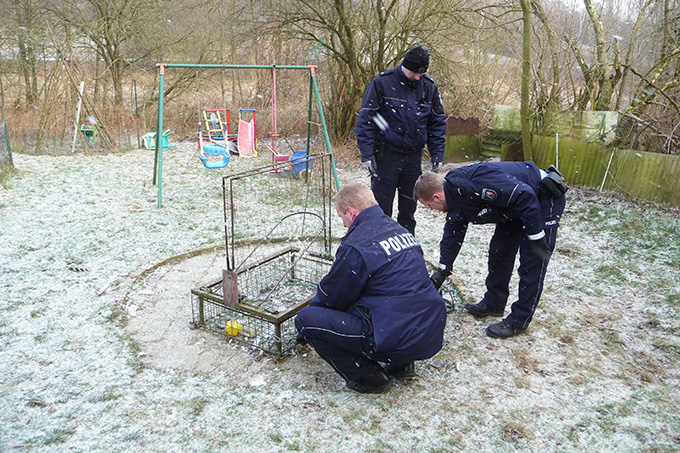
[436, 166]
[438, 278]
[541, 248]
[370, 166]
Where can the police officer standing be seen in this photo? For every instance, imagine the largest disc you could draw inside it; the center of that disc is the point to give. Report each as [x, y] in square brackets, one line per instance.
[377, 303]
[401, 112]
[526, 205]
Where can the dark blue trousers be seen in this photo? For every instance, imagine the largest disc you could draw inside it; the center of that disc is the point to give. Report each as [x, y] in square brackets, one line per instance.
[508, 239]
[343, 339]
[398, 171]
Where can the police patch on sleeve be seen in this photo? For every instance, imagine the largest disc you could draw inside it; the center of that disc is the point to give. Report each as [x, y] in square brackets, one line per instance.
[489, 195]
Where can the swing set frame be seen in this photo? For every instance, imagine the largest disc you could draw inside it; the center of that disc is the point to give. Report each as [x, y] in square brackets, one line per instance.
[313, 95]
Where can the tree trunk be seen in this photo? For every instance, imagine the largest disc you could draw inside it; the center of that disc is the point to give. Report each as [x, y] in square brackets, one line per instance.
[28, 69]
[629, 54]
[117, 70]
[526, 76]
[601, 98]
[553, 96]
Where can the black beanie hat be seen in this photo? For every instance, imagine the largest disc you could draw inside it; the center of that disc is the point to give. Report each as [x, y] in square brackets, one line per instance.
[417, 59]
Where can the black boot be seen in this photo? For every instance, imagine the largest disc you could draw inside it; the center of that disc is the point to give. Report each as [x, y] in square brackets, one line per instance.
[503, 330]
[481, 310]
[401, 370]
[377, 381]
[300, 340]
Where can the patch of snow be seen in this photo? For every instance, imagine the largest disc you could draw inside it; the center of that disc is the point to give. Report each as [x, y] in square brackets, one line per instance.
[97, 353]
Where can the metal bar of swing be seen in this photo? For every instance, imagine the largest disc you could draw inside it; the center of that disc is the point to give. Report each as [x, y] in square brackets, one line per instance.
[158, 155]
[275, 130]
[312, 71]
[232, 66]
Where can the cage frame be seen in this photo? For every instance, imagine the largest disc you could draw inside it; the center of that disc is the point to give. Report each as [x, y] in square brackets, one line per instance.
[220, 301]
[278, 167]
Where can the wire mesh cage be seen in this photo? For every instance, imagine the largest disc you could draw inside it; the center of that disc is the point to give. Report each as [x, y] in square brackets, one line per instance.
[263, 315]
[256, 199]
[275, 258]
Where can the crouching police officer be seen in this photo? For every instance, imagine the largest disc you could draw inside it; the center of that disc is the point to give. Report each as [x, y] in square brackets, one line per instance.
[526, 205]
[377, 303]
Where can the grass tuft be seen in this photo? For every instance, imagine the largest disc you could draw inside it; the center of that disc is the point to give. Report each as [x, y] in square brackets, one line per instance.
[567, 338]
[611, 272]
[513, 431]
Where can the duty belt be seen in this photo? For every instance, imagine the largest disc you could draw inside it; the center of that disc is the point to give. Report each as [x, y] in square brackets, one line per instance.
[552, 183]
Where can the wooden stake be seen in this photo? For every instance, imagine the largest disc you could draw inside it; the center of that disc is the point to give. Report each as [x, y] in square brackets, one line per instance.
[607, 170]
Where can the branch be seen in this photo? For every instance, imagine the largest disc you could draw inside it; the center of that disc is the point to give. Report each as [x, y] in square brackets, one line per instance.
[661, 90]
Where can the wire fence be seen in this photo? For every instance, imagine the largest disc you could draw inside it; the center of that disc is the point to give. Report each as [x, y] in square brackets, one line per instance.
[5, 149]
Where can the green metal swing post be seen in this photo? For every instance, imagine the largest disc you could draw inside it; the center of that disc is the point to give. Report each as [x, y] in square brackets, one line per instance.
[158, 160]
[312, 73]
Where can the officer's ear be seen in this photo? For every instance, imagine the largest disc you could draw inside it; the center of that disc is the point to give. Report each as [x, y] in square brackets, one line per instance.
[352, 212]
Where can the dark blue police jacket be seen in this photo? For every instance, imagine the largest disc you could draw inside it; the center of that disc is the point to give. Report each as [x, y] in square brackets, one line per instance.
[413, 115]
[379, 272]
[492, 192]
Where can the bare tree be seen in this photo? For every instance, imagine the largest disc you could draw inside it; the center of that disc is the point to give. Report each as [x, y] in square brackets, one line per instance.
[637, 27]
[111, 28]
[548, 90]
[22, 19]
[651, 112]
[601, 77]
[363, 38]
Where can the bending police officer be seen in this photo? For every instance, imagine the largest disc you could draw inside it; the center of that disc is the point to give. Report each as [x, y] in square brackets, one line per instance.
[526, 205]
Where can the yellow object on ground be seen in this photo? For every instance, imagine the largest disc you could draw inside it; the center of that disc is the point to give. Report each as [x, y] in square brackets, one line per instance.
[232, 328]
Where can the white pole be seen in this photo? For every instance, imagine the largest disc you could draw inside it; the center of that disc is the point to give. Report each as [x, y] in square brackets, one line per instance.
[606, 172]
[557, 150]
[77, 120]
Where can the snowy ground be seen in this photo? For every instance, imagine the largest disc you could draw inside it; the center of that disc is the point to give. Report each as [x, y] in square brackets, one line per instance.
[96, 352]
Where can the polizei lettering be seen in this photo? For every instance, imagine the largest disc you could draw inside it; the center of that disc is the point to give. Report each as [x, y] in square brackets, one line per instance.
[398, 243]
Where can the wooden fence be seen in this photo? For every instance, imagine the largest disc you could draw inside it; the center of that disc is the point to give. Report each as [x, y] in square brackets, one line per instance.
[651, 176]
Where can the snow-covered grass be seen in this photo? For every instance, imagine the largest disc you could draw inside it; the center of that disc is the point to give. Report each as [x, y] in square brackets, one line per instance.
[97, 355]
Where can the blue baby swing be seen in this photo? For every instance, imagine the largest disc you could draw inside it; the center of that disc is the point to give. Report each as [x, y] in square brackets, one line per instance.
[212, 154]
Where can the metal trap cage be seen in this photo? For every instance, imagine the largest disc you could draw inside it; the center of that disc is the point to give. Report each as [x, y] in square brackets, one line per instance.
[274, 291]
[274, 259]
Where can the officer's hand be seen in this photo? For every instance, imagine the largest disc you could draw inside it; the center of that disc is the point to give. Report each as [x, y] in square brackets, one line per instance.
[371, 167]
[541, 248]
[436, 166]
[438, 278]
